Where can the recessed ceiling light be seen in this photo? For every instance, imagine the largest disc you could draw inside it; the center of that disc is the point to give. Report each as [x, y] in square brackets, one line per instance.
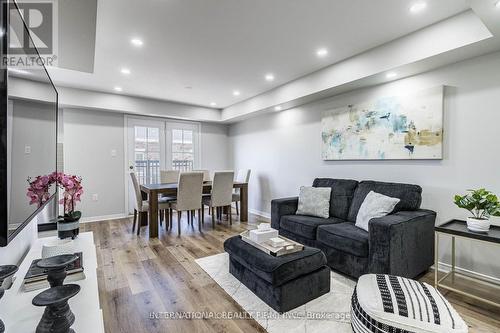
[322, 52]
[125, 71]
[418, 7]
[269, 77]
[236, 93]
[497, 4]
[136, 42]
[391, 75]
[278, 108]
[213, 104]
[118, 89]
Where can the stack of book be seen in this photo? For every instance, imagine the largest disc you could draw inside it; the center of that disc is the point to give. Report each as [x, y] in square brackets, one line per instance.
[36, 278]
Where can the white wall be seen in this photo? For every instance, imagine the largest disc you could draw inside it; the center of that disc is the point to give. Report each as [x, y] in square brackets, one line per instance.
[17, 248]
[89, 138]
[283, 149]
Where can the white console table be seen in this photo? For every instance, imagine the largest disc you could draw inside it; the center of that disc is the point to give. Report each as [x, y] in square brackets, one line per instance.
[20, 316]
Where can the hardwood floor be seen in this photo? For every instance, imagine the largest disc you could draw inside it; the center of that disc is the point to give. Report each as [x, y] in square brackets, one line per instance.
[139, 277]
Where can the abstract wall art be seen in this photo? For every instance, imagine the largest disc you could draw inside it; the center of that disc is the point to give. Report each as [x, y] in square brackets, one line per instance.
[386, 128]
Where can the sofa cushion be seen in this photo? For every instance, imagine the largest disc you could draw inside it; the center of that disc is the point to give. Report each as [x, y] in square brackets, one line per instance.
[305, 226]
[314, 201]
[341, 196]
[410, 196]
[344, 237]
[275, 270]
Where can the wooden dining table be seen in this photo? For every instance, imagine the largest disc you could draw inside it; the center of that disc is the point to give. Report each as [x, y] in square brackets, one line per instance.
[170, 189]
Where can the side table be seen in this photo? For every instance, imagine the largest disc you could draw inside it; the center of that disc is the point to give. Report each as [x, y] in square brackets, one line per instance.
[456, 281]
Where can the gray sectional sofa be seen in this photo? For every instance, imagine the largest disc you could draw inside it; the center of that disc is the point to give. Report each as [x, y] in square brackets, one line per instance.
[401, 243]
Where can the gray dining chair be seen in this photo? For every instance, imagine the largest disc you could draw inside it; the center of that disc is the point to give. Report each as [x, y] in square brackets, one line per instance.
[142, 206]
[206, 175]
[221, 195]
[188, 198]
[243, 177]
[169, 176]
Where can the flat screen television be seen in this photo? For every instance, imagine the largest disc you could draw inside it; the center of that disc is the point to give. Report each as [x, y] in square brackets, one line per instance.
[28, 127]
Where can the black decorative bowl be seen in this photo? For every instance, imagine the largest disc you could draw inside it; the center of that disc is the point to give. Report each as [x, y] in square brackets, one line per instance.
[5, 272]
[56, 268]
[57, 317]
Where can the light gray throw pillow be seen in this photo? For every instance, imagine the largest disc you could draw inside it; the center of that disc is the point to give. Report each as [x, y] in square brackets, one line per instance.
[314, 201]
[375, 205]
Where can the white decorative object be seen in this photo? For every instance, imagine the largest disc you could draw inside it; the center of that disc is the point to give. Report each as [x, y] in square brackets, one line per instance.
[420, 307]
[55, 247]
[314, 201]
[277, 242]
[478, 225]
[264, 226]
[374, 206]
[263, 235]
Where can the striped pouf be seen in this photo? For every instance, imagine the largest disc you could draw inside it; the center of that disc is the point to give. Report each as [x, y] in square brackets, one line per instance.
[392, 304]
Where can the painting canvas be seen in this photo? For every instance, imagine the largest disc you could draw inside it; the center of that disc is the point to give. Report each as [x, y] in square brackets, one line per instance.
[386, 128]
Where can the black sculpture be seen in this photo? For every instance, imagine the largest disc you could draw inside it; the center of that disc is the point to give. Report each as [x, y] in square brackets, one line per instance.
[5, 272]
[57, 317]
[56, 268]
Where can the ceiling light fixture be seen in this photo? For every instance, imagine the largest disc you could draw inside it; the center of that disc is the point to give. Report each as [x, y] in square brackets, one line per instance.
[269, 77]
[391, 75]
[236, 93]
[497, 4]
[278, 108]
[322, 52]
[119, 89]
[418, 7]
[136, 42]
[125, 71]
[213, 104]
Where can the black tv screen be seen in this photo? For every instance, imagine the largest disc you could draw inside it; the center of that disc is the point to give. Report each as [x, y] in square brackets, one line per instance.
[28, 125]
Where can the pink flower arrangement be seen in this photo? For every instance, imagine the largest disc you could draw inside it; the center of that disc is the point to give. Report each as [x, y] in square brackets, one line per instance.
[38, 190]
[73, 190]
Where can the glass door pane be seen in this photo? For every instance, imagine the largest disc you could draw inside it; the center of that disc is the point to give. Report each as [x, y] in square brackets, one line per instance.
[182, 149]
[146, 153]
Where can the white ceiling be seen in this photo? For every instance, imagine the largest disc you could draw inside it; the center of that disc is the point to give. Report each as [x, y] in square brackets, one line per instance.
[217, 46]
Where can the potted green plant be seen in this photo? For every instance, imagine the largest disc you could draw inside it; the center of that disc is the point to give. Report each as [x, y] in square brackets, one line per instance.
[481, 204]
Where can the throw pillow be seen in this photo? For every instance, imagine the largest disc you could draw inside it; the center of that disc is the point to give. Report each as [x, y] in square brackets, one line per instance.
[375, 205]
[314, 201]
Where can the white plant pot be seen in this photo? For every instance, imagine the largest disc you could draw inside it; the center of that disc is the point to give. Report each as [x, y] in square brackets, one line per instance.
[478, 225]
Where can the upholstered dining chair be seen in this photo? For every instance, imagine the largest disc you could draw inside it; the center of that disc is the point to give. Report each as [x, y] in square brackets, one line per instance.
[188, 198]
[143, 205]
[243, 177]
[169, 176]
[221, 195]
[206, 175]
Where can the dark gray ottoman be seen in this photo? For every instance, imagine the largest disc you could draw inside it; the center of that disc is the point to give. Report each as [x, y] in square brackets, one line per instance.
[283, 283]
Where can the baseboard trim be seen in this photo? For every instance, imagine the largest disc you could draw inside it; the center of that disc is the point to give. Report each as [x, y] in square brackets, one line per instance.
[103, 217]
[444, 267]
[259, 213]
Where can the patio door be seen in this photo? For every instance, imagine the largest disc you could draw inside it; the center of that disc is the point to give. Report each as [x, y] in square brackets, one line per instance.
[146, 153]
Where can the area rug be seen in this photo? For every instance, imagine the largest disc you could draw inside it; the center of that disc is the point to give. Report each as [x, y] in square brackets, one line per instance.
[328, 313]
